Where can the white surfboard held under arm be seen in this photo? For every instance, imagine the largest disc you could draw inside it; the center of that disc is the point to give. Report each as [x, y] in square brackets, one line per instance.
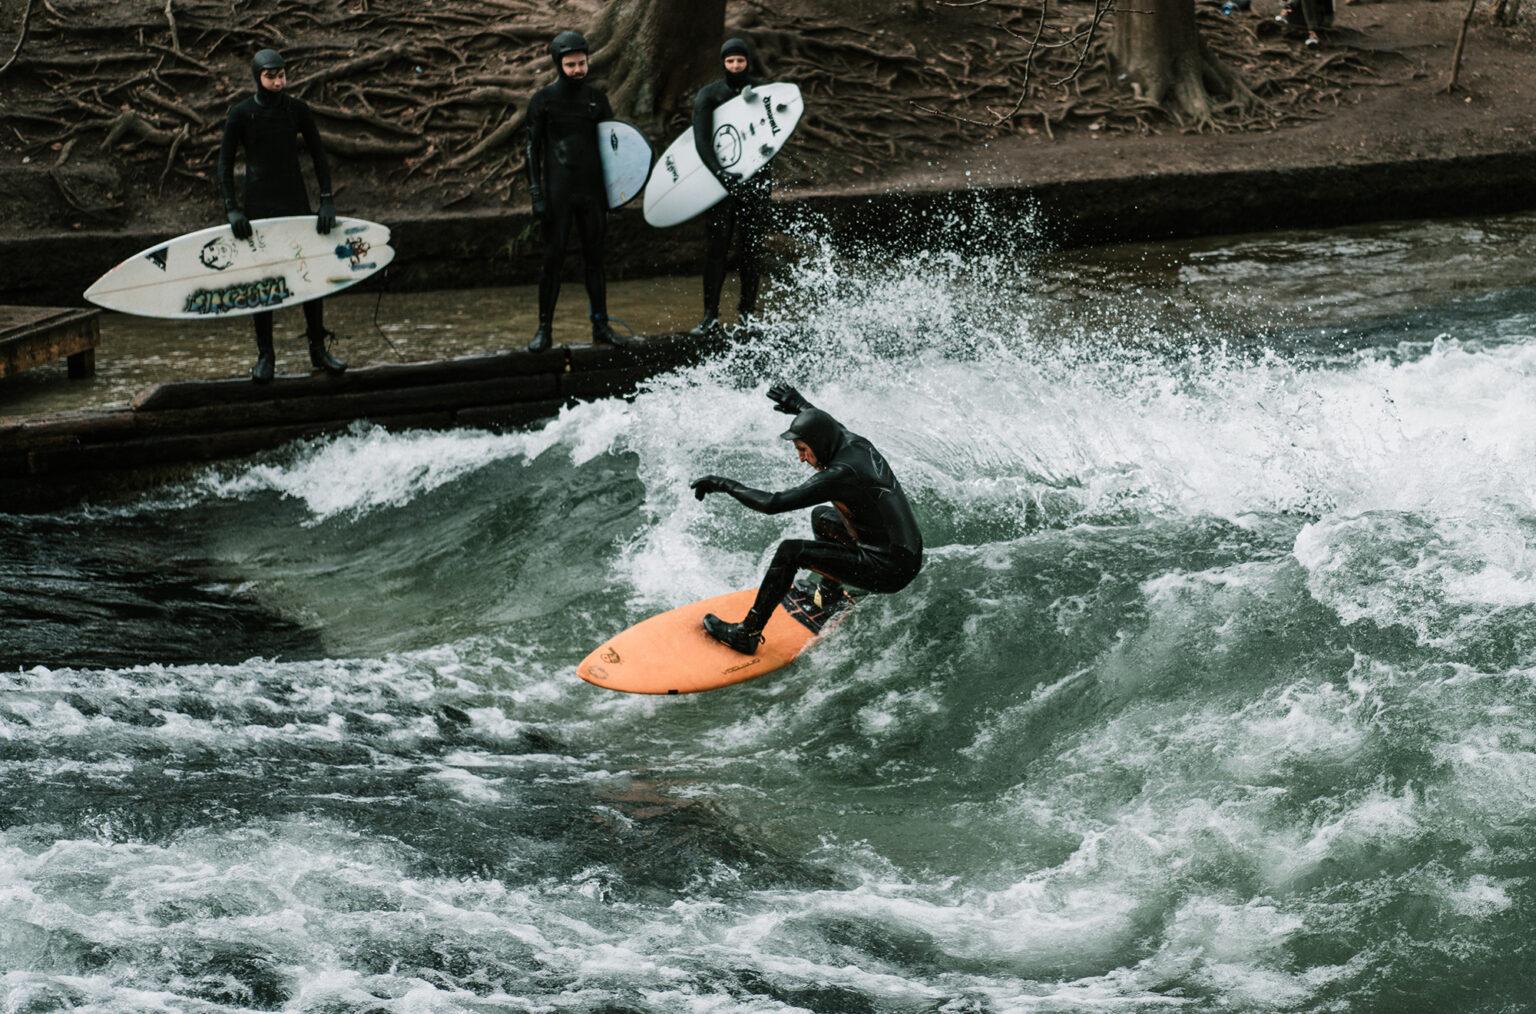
[210, 273]
[626, 157]
[749, 130]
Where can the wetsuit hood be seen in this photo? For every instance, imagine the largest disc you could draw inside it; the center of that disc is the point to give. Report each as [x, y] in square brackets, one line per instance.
[737, 47]
[266, 59]
[563, 45]
[823, 434]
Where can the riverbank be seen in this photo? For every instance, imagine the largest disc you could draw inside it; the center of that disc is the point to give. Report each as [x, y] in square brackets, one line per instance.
[1402, 146]
[1135, 198]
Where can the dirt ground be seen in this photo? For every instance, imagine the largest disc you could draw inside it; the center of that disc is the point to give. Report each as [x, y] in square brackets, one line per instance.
[1406, 115]
[900, 93]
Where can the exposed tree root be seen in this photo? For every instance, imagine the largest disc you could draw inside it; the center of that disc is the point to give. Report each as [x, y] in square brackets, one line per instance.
[439, 90]
[21, 37]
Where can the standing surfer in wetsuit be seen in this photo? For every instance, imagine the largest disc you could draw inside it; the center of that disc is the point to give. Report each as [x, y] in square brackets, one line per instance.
[268, 124]
[870, 540]
[746, 205]
[565, 180]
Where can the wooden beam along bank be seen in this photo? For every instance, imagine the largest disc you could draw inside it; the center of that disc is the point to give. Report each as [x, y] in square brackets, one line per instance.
[33, 335]
[47, 462]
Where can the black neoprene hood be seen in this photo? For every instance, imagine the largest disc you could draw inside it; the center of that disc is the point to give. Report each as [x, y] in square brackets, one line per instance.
[266, 59]
[736, 47]
[821, 433]
[566, 43]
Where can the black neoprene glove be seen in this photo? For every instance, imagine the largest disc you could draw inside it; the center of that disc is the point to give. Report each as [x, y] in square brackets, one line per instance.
[787, 400]
[711, 484]
[239, 223]
[327, 217]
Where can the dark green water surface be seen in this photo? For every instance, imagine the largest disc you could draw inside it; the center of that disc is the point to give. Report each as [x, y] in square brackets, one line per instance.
[1217, 691]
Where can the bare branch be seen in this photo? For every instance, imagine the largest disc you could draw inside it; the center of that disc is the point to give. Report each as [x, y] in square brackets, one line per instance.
[1101, 8]
[1461, 43]
[21, 38]
[170, 19]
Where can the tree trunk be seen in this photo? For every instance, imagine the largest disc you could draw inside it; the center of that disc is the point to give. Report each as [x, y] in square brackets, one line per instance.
[650, 55]
[1156, 46]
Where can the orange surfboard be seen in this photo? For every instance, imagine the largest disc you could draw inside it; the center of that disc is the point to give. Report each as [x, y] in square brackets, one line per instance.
[670, 653]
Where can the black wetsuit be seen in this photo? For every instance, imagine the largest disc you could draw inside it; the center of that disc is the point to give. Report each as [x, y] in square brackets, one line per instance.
[746, 207]
[566, 182]
[871, 540]
[268, 127]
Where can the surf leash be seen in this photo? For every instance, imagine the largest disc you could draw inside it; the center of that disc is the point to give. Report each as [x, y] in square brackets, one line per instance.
[376, 303]
[613, 320]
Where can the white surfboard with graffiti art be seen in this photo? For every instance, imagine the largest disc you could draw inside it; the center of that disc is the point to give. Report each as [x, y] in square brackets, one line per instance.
[210, 273]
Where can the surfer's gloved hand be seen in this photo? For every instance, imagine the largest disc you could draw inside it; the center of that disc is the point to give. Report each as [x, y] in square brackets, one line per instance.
[733, 182]
[711, 484]
[239, 223]
[787, 400]
[327, 217]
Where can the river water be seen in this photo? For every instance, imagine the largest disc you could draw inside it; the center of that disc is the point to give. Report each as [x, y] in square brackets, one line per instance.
[376, 325]
[1217, 691]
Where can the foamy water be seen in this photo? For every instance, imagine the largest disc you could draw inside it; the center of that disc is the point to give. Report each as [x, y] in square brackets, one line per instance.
[1214, 694]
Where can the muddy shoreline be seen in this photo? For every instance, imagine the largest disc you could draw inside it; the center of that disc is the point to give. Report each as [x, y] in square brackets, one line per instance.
[458, 250]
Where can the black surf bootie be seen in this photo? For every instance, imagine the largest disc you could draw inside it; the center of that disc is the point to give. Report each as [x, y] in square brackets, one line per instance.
[320, 357]
[708, 327]
[746, 325]
[265, 368]
[602, 334]
[541, 340]
[735, 636]
[831, 596]
[266, 362]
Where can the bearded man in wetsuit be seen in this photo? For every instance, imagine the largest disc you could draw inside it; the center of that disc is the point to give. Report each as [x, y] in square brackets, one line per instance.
[268, 125]
[745, 208]
[867, 538]
[565, 180]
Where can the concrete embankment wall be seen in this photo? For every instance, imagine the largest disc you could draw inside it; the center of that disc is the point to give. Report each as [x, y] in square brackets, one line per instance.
[480, 249]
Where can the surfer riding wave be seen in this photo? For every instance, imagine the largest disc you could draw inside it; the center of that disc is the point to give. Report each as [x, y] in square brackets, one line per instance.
[868, 538]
